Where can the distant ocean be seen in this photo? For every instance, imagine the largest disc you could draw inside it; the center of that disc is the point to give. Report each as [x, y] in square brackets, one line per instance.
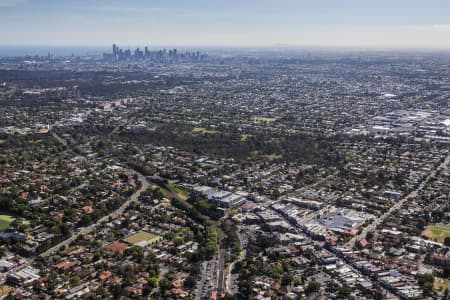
[8, 51]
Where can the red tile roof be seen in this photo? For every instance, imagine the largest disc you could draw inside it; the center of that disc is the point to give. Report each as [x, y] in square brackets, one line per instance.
[117, 247]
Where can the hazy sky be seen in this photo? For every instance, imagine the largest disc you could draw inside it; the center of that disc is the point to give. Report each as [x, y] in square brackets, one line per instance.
[363, 23]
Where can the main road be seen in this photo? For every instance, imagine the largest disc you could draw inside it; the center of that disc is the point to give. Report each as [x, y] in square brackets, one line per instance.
[84, 230]
[350, 244]
[88, 229]
[230, 287]
[221, 263]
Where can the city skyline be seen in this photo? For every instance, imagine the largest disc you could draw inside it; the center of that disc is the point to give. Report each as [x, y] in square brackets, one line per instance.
[225, 149]
[324, 23]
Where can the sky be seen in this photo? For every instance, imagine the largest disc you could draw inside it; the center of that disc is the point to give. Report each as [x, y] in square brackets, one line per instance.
[322, 23]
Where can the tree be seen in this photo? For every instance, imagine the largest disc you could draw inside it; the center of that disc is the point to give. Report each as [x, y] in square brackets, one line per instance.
[178, 241]
[427, 288]
[312, 287]
[426, 281]
[447, 241]
[136, 252]
[152, 282]
[446, 272]
[245, 288]
[85, 221]
[428, 277]
[76, 280]
[344, 291]
[164, 284]
[189, 282]
[287, 278]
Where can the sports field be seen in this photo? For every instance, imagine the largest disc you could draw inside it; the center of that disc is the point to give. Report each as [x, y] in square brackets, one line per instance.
[441, 283]
[203, 130]
[245, 137]
[142, 236]
[264, 119]
[273, 157]
[437, 232]
[5, 221]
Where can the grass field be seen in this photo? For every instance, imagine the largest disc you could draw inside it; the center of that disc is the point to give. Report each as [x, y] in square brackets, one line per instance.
[263, 119]
[437, 232]
[5, 221]
[37, 142]
[200, 130]
[182, 193]
[442, 284]
[2, 142]
[273, 157]
[245, 137]
[142, 236]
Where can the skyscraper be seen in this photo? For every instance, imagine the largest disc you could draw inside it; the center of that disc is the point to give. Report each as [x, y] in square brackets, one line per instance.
[115, 48]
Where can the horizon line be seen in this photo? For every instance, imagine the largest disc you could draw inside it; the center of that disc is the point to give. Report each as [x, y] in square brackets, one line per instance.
[286, 46]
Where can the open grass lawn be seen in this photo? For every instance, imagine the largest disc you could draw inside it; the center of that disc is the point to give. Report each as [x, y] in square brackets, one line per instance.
[141, 237]
[245, 137]
[37, 142]
[2, 142]
[200, 130]
[441, 283]
[273, 157]
[437, 232]
[169, 193]
[182, 193]
[263, 119]
[5, 221]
